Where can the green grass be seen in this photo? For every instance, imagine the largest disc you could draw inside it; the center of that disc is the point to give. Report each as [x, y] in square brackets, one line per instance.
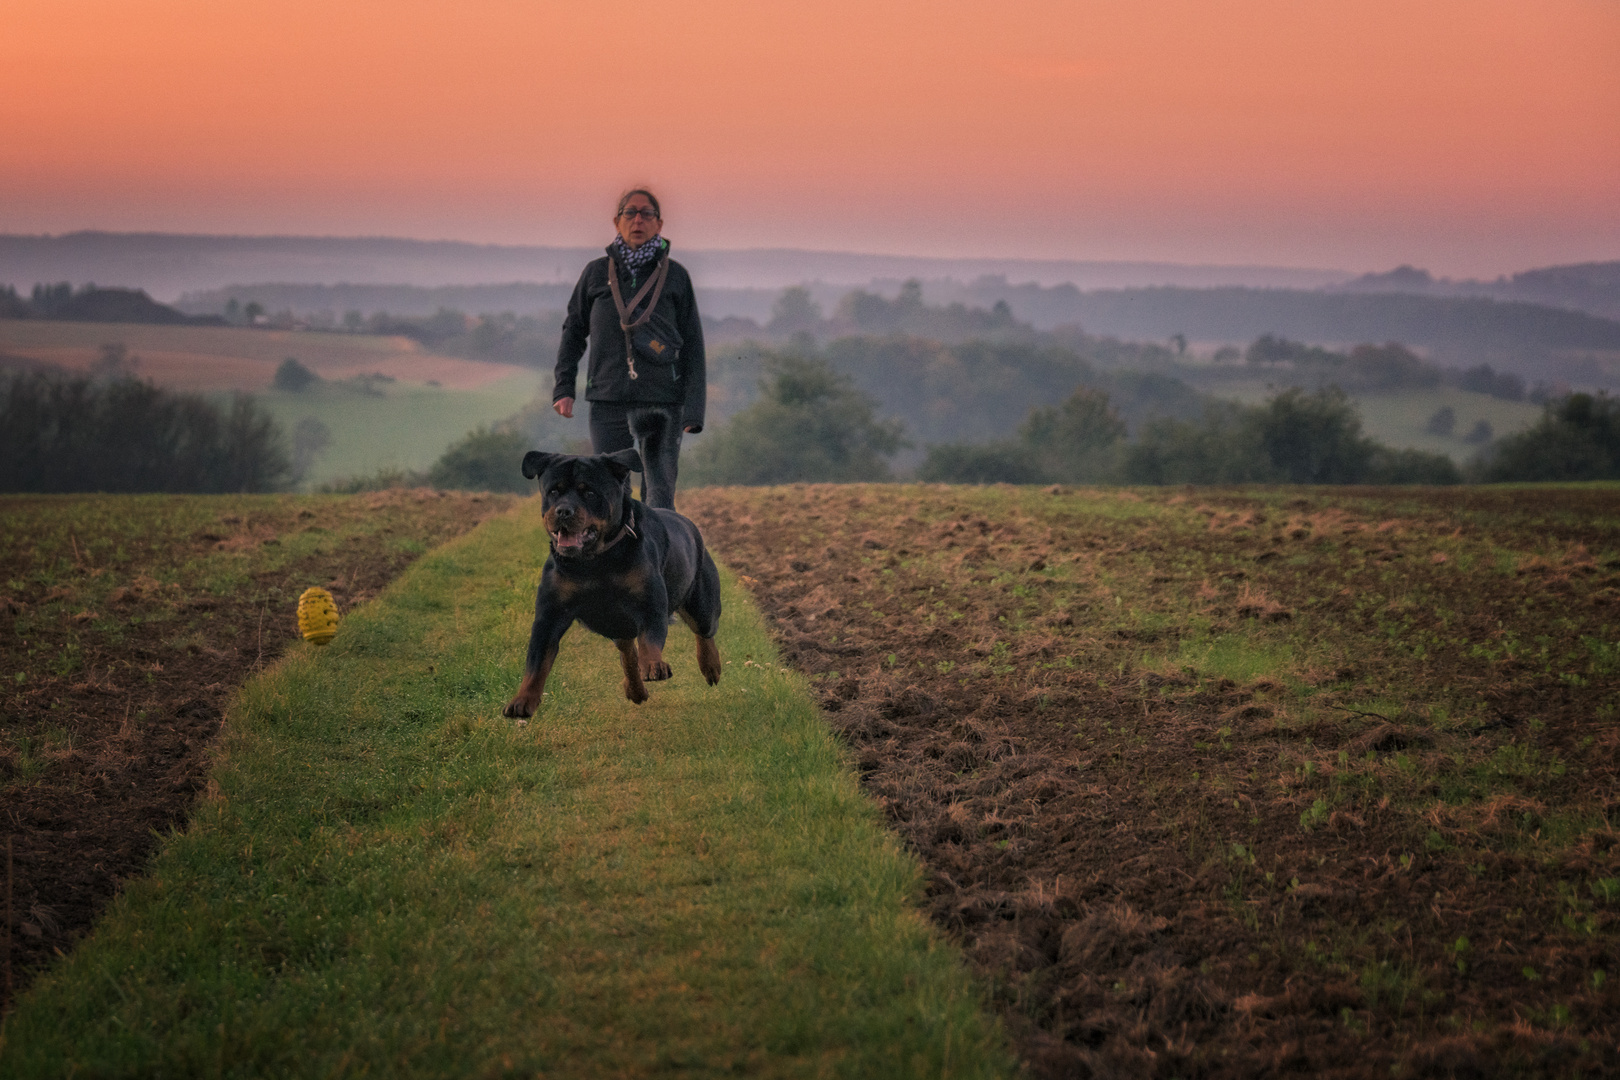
[389, 879]
[1398, 418]
[407, 427]
[1243, 658]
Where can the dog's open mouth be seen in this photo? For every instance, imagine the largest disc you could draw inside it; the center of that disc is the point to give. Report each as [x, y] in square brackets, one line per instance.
[572, 543]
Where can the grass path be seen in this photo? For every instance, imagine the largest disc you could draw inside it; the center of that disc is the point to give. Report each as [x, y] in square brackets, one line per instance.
[391, 880]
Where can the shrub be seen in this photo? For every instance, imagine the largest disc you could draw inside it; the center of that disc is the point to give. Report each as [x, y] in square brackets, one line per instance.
[293, 377]
[1389, 466]
[1577, 438]
[1076, 441]
[1275, 349]
[1391, 366]
[988, 463]
[1220, 449]
[1312, 438]
[810, 424]
[487, 459]
[1442, 422]
[1484, 380]
[1295, 438]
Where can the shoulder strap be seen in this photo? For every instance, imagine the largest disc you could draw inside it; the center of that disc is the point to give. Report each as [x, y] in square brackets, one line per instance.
[655, 284]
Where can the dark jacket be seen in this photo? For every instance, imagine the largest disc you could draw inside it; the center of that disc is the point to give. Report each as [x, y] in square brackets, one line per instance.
[593, 317]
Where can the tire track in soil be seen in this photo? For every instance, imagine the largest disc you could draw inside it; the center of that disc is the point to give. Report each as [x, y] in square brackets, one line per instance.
[1078, 877]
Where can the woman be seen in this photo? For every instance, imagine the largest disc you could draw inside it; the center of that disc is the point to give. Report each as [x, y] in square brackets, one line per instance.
[646, 381]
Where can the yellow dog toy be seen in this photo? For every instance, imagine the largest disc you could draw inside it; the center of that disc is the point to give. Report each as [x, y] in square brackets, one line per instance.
[317, 616]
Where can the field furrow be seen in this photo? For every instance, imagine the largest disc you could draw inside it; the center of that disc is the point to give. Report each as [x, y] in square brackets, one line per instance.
[1234, 782]
[127, 625]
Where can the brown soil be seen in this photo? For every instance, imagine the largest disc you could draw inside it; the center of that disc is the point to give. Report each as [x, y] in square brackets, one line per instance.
[104, 753]
[1397, 858]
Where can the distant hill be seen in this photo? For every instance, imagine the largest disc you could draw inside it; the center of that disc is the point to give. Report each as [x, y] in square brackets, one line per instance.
[1553, 323]
[1592, 287]
[306, 301]
[1457, 329]
[167, 265]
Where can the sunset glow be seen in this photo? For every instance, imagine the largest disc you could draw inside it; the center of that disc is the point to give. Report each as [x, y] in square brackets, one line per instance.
[1471, 136]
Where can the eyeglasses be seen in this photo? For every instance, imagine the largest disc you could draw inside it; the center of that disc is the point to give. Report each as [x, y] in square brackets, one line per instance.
[633, 212]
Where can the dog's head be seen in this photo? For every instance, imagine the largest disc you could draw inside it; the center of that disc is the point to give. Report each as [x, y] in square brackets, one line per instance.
[584, 499]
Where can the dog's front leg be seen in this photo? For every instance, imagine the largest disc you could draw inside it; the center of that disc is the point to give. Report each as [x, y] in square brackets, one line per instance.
[634, 688]
[650, 651]
[543, 641]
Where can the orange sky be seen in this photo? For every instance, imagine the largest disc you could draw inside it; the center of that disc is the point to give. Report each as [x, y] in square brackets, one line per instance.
[1469, 136]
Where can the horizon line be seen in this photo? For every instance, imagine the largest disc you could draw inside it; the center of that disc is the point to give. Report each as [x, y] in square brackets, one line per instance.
[1030, 259]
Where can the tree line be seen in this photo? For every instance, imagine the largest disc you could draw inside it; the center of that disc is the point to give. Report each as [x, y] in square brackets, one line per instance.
[812, 423]
[843, 410]
[61, 433]
[88, 303]
[1451, 325]
[1391, 366]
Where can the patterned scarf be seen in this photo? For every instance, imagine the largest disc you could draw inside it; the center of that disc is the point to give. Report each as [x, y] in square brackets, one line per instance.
[638, 259]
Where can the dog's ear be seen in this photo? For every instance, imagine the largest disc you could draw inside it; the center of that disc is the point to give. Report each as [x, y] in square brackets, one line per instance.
[623, 462]
[535, 463]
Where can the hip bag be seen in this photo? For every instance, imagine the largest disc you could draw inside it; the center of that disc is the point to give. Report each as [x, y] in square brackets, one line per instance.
[656, 341]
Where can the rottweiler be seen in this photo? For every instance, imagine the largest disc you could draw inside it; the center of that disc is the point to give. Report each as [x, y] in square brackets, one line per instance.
[621, 568]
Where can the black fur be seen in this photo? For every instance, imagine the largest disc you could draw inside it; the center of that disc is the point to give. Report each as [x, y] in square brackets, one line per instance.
[620, 567]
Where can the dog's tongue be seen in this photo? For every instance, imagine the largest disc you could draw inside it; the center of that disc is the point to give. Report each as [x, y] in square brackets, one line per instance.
[570, 541]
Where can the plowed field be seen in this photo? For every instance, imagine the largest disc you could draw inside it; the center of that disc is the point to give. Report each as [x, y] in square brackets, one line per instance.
[1234, 783]
[126, 625]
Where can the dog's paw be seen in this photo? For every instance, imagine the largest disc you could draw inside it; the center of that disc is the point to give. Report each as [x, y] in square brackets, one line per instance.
[708, 660]
[656, 672]
[635, 693]
[518, 708]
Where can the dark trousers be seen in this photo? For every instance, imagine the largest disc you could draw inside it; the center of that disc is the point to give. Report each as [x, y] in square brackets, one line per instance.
[655, 431]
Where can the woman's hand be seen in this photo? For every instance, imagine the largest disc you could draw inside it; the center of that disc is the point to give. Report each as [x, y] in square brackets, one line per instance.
[564, 407]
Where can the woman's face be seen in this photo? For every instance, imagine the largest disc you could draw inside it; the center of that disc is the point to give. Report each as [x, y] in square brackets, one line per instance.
[638, 222]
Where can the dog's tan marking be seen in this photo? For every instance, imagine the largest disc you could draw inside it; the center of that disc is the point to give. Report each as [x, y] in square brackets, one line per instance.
[708, 653]
[633, 580]
[708, 657]
[653, 668]
[531, 689]
[634, 689]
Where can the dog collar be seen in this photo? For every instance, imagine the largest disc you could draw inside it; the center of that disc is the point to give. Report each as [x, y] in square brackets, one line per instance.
[628, 529]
